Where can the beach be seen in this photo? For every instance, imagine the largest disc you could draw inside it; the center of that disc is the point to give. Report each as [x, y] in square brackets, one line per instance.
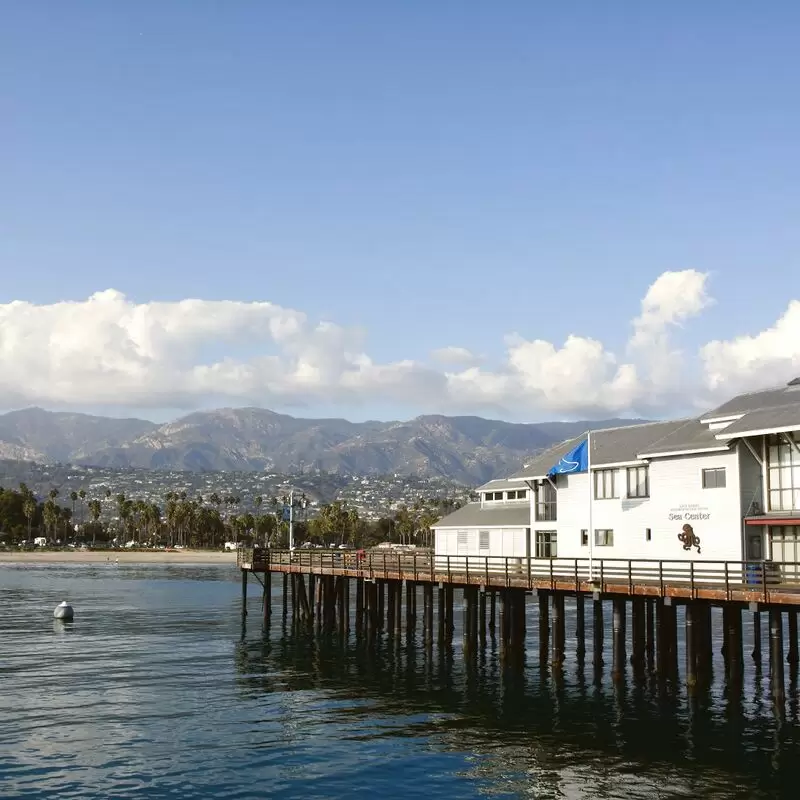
[123, 556]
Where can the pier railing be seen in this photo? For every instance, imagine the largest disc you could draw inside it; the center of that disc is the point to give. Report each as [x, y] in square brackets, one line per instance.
[757, 578]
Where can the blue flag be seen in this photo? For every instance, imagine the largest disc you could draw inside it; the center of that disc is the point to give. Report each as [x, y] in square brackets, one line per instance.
[286, 513]
[577, 460]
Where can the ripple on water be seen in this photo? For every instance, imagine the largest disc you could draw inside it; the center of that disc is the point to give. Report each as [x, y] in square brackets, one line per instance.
[155, 692]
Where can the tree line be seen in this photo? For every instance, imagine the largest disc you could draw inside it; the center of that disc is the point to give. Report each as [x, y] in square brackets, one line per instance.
[206, 521]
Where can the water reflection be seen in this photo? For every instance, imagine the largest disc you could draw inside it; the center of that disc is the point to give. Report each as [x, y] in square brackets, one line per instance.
[537, 731]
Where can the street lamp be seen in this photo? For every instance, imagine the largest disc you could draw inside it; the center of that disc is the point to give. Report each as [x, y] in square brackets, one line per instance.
[288, 513]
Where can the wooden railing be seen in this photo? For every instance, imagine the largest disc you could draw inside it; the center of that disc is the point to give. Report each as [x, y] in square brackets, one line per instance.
[533, 572]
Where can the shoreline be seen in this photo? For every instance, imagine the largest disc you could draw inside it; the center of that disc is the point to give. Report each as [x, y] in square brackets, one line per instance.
[121, 556]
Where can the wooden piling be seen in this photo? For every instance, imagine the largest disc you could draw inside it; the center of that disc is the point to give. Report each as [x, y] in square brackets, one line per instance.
[482, 618]
[559, 637]
[266, 601]
[598, 633]
[244, 592]
[792, 655]
[580, 627]
[776, 655]
[638, 634]
[756, 652]
[442, 615]
[492, 611]
[618, 640]
[650, 635]
[691, 644]
[411, 611]
[544, 625]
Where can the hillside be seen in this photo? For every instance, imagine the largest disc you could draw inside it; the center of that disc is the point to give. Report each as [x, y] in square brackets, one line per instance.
[466, 449]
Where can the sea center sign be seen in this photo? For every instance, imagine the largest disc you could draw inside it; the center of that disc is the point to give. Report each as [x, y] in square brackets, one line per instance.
[689, 512]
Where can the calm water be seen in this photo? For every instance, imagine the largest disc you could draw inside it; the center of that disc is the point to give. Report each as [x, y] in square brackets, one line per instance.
[157, 690]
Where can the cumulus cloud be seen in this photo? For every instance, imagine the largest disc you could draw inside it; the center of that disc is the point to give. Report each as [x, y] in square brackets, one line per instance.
[455, 356]
[769, 357]
[108, 350]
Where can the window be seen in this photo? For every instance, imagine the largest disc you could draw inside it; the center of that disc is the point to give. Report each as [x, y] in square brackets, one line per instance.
[584, 538]
[483, 540]
[783, 462]
[603, 537]
[545, 502]
[638, 482]
[493, 496]
[605, 484]
[546, 544]
[648, 534]
[517, 494]
[714, 478]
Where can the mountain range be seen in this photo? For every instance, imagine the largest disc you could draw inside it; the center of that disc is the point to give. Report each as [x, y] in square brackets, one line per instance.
[469, 450]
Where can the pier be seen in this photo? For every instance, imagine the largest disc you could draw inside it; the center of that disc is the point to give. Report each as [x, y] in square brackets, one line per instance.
[392, 594]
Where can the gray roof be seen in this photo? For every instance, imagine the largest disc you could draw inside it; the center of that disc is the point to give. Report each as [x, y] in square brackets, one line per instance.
[755, 401]
[780, 418]
[618, 445]
[500, 484]
[609, 446]
[547, 459]
[691, 435]
[473, 516]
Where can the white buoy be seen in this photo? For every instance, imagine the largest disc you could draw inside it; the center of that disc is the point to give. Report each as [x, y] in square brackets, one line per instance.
[64, 611]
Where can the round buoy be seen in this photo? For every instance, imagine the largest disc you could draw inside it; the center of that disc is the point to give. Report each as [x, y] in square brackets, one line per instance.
[64, 611]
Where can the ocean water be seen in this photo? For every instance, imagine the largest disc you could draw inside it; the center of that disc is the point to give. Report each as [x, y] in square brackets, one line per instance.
[158, 690]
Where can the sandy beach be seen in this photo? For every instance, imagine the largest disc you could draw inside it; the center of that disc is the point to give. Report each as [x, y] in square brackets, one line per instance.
[123, 556]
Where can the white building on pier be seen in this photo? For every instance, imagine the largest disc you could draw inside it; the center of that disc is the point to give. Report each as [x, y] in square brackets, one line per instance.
[730, 479]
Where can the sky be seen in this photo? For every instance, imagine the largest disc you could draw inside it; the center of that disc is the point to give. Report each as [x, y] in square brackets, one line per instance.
[520, 210]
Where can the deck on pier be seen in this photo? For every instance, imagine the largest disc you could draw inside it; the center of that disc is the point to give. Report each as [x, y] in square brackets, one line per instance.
[726, 581]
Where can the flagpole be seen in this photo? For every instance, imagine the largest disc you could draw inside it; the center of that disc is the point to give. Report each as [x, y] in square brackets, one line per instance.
[591, 494]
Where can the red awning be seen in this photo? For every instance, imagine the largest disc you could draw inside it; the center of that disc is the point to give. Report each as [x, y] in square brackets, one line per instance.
[773, 521]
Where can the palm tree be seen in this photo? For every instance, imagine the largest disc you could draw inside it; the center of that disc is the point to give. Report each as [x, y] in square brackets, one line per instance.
[29, 510]
[82, 496]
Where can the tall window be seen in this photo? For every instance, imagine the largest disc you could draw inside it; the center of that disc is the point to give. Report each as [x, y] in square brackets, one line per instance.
[545, 502]
[546, 544]
[603, 537]
[584, 538]
[638, 482]
[714, 478]
[605, 484]
[784, 474]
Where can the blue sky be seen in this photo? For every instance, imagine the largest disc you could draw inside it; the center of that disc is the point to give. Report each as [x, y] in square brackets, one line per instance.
[434, 173]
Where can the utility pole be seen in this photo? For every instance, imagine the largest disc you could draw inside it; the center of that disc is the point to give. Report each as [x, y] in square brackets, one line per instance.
[291, 520]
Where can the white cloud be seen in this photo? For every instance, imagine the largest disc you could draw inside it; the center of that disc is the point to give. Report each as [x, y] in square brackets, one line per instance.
[766, 358]
[109, 350]
[455, 356]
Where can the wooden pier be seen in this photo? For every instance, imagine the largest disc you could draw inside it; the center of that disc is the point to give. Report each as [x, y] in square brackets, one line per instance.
[643, 597]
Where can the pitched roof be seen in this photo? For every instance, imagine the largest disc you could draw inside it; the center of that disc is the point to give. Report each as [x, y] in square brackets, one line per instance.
[618, 445]
[780, 418]
[499, 485]
[756, 401]
[689, 436]
[473, 516]
[546, 460]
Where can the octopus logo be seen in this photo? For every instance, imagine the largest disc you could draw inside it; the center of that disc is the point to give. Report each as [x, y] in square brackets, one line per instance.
[688, 538]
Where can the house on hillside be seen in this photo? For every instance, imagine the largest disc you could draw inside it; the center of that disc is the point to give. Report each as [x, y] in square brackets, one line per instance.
[722, 487]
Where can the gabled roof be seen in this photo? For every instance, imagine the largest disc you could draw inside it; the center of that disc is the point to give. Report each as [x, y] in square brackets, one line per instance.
[620, 445]
[472, 515]
[691, 436]
[766, 420]
[546, 460]
[500, 485]
[756, 401]
[609, 446]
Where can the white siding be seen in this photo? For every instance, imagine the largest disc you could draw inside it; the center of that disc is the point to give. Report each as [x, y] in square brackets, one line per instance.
[676, 496]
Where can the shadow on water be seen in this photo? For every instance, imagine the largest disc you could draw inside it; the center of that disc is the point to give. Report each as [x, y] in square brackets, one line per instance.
[536, 731]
